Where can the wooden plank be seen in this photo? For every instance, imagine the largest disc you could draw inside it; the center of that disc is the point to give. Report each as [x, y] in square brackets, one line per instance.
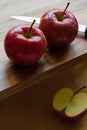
[31, 108]
[26, 93]
[52, 61]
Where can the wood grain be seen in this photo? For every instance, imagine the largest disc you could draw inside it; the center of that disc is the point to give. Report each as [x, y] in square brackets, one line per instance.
[31, 108]
[26, 93]
[57, 60]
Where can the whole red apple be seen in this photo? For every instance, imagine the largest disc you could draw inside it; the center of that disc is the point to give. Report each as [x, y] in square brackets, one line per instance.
[24, 46]
[59, 26]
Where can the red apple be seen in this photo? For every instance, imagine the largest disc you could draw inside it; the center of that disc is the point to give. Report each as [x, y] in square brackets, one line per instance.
[24, 44]
[70, 105]
[59, 26]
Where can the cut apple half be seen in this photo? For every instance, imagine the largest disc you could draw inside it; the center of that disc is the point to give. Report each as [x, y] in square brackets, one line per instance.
[70, 105]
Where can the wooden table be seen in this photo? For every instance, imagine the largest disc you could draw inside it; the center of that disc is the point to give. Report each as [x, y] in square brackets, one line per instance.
[26, 92]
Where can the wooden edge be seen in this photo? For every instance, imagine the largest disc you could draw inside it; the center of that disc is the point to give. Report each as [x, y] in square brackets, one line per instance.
[40, 77]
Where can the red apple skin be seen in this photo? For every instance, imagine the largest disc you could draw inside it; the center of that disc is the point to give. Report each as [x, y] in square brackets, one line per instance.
[59, 33]
[22, 50]
[62, 115]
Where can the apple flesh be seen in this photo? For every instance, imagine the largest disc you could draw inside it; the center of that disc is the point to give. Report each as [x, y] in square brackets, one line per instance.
[69, 105]
[59, 27]
[23, 49]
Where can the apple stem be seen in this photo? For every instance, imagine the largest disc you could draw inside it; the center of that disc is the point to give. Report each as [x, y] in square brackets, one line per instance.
[75, 94]
[79, 90]
[66, 7]
[29, 30]
[62, 16]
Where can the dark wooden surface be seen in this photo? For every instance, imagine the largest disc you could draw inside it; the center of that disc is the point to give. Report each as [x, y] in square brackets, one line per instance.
[26, 92]
[11, 75]
[32, 109]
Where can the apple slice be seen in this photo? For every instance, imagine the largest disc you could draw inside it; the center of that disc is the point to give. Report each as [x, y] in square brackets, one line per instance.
[70, 105]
